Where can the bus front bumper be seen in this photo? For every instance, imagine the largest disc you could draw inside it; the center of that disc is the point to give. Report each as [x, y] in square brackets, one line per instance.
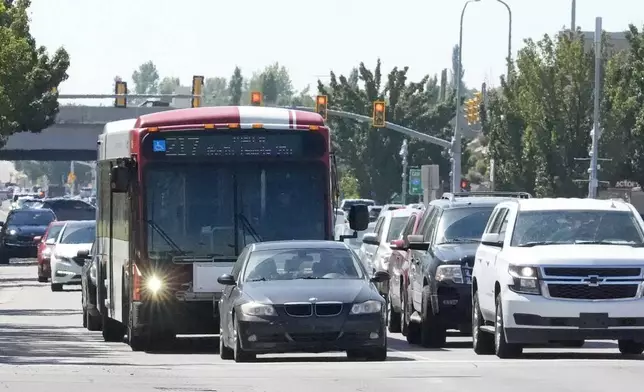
[176, 317]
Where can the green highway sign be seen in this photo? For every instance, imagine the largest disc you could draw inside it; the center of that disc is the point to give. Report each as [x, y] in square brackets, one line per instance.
[415, 183]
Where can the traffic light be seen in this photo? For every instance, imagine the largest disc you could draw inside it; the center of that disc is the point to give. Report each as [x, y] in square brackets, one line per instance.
[473, 108]
[197, 91]
[465, 185]
[120, 88]
[378, 114]
[321, 105]
[256, 98]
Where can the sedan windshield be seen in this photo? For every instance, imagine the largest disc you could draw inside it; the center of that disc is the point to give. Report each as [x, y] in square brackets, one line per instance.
[30, 218]
[576, 227]
[314, 263]
[78, 235]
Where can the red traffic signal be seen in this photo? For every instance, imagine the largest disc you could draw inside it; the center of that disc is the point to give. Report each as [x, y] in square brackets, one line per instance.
[465, 185]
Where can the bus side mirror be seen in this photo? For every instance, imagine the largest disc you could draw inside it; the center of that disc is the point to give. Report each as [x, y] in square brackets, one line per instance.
[359, 217]
[119, 179]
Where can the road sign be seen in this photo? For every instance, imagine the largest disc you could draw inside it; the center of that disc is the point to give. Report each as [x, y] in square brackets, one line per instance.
[71, 177]
[415, 184]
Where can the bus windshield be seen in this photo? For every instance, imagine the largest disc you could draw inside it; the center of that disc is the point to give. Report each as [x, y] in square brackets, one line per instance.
[214, 210]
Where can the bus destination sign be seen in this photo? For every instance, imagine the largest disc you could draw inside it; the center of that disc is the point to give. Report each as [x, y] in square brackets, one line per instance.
[229, 145]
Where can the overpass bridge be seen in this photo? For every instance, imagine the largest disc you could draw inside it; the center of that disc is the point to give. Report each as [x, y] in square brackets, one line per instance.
[72, 138]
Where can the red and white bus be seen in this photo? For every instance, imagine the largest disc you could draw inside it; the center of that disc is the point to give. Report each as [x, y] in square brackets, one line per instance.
[181, 192]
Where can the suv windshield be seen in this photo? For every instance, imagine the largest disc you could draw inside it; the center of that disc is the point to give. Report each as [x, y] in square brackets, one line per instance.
[70, 209]
[570, 227]
[77, 234]
[463, 224]
[30, 218]
[314, 263]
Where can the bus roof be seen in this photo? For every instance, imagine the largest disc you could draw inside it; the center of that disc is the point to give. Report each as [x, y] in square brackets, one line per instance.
[289, 118]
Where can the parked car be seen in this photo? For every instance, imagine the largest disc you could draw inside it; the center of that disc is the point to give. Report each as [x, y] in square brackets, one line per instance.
[91, 316]
[45, 246]
[66, 266]
[18, 232]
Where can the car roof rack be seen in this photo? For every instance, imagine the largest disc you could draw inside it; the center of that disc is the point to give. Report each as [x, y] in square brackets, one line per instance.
[453, 195]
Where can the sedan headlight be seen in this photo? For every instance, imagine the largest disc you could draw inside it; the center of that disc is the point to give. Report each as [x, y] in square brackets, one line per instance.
[13, 232]
[449, 272]
[258, 310]
[367, 307]
[526, 279]
[63, 260]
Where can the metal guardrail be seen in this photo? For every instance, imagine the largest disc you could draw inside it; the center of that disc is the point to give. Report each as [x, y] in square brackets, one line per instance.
[453, 195]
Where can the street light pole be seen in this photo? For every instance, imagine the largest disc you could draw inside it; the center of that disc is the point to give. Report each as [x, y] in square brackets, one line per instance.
[456, 140]
[404, 153]
[507, 77]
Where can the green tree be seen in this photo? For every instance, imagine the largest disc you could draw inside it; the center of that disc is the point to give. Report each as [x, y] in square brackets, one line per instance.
[236, 87]
[168, 85]
[276, 80]
[54, 171]
[349, 186]
[623, 112]
[372, 154]
[146, 78]
[541, 121]
[29, 77]
[216, 92]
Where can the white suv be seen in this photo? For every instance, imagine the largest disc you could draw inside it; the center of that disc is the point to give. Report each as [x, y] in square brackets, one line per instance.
[559, 270]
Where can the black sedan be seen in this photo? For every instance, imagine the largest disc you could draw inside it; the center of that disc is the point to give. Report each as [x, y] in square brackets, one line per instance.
[18, 232]
[301, 296]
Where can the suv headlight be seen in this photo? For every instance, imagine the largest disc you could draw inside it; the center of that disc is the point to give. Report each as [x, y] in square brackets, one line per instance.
[257, 309]
[367, 307]
[449, 272]
[526, 279]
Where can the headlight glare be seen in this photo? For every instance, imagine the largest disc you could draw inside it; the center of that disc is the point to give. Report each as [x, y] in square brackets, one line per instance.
[257, 309]
[449, 272]
[154, 284]
[13, 232]
[366, 307]
[526, 279]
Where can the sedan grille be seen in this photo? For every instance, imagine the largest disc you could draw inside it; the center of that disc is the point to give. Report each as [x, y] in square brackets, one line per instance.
[327, 309]
[298, 309]
[314, 337]
[582, 291]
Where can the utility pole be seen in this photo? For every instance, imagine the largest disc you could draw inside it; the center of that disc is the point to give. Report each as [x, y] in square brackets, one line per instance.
[593, 183]
[404, 153]
[573, 17]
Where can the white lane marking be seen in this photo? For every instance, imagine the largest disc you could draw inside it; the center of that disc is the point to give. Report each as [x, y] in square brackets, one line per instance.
[407, 353]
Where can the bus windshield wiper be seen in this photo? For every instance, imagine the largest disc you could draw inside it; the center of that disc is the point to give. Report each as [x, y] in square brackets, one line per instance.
[597, 242]
[165, 237]
[248, 227]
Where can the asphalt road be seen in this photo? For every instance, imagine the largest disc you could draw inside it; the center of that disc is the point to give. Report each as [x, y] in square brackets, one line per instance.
[44, 348]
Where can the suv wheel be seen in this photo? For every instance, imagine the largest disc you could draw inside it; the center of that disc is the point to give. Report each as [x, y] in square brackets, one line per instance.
[482, 342]
[432, 333]
[410, 330]
[502, 348]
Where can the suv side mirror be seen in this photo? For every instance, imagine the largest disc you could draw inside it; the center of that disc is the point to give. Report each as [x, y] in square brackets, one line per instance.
[492, 239]
[119, 179]
[359, 217]
[1, 223]
[37, 238]
[370, 239]
[83, 254]
[416, 242]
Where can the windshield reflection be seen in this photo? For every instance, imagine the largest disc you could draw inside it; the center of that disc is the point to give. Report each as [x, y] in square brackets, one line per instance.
[215, 210]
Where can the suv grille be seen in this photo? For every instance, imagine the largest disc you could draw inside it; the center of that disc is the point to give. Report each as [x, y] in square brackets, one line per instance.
[583, 291]
[602, 272]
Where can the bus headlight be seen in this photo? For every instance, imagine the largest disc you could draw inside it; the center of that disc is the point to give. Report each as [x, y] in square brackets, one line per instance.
[154, 284]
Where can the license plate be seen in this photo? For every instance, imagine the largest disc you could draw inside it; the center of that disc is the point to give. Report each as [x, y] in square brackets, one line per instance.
[593, 320]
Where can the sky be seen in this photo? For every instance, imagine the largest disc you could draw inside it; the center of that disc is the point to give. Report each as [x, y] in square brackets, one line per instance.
[106, 38]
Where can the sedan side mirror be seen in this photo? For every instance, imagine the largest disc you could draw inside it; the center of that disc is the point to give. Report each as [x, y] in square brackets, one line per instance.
[226, 280]
[398, 245]
[37, 238]
[83, 254]
[370, 239]
[1, 223]
[380, 277]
